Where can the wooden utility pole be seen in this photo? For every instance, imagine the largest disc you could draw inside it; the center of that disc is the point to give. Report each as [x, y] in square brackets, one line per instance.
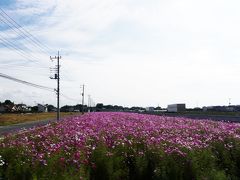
[57, 77]
[83, 98]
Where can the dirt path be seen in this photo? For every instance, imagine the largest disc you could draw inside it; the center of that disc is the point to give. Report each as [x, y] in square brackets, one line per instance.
[26, 125]
[30, 124]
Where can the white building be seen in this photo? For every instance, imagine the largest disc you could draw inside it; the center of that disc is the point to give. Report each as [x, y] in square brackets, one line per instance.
[42, 108]
[149, 109]
[176, 107]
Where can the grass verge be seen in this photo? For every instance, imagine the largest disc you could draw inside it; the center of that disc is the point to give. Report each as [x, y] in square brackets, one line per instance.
[10, 119]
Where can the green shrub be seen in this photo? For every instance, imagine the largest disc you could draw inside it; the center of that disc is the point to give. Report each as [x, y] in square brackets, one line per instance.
[135, 161]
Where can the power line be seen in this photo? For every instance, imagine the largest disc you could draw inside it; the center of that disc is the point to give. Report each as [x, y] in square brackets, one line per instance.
[15, 47]
[23, 65]
[26, 82]
[26, 33]
[21, 51]
[66, 97]
[34, 85]
[11, 46]
[17, 33]
[15, 41]
[18, 69]
[18, 47]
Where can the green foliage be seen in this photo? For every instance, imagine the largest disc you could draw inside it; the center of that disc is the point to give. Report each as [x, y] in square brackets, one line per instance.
[15, 165]
[218, 162]
[106, 165]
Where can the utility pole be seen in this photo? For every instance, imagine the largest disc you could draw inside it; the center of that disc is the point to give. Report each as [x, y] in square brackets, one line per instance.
[89, 103]
[57, 77]
[82, 98]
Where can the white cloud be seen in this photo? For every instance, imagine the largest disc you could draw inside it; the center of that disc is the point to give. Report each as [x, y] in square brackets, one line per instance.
[133, 52]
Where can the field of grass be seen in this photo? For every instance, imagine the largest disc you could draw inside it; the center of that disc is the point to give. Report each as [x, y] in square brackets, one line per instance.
[9, 119]
[123, 146]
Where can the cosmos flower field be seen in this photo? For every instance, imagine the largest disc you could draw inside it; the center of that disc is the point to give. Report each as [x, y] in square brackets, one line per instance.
[119, 145]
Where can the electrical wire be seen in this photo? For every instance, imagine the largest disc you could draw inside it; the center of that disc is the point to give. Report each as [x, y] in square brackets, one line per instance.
[23, 46]
[25, 32]
[21, 51]
[66, 97]
[26, 82]
[22, 32]
[34, 85]
[22, 65]
[11, 46]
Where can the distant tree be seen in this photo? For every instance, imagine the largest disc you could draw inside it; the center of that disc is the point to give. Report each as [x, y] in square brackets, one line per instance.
[8, 102]
[157, 108]
[108, 107]
[34, 109]
[65, 108]
[85, 107]
[50, 108]
[78, 107]
[134, 108]
[118, 108]
[99, 106]
[197, 109]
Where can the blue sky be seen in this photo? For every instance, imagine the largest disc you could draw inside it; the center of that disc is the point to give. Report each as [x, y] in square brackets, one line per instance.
[127, 52]
[7, 2]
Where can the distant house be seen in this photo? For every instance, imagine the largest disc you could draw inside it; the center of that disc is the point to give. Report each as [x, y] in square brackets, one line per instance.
[2, 109]
[42, 108]
[220, 108]
[22, 108]
[71, 109]
[230, 109]
[53, 110]
[67, 108]
[29, 108]
[14, 108]
[149, 109]
[10, 108]
[176, 108]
